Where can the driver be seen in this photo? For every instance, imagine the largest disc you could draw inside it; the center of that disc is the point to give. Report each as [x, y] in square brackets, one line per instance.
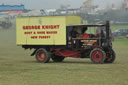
[84, 34]
[74, 32]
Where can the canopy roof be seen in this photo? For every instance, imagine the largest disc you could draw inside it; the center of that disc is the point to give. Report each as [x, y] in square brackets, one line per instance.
[89, 25]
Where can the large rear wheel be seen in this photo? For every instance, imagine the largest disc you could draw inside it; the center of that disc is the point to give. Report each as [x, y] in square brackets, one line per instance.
[110, 56]
[97, 56]
[42, 56]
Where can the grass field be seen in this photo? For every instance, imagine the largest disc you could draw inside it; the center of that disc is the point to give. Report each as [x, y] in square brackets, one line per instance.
[17, 67]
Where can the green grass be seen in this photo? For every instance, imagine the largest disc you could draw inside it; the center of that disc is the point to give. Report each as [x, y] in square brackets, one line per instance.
[17, 67]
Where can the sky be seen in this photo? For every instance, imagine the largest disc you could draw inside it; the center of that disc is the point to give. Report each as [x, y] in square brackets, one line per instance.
[54, 4]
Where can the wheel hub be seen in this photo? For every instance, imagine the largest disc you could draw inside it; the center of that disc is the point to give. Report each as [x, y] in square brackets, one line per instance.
[41, 56]
[97, 56]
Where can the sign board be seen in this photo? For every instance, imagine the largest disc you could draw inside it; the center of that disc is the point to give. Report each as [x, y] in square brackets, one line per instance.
[47, 30]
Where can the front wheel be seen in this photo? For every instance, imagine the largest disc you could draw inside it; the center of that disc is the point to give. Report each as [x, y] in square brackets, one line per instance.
[42, 56]
[110, 56]
[97, 56]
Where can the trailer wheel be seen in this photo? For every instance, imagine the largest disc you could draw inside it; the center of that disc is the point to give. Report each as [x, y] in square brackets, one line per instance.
[57, 58]
[42, 56]
[110, 56]
[97, 56]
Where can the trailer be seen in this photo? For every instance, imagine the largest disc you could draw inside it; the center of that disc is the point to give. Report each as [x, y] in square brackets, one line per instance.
[59, 37]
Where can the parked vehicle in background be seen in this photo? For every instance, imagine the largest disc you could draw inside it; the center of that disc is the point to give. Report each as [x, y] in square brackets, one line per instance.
[121, 32]
[5, 22]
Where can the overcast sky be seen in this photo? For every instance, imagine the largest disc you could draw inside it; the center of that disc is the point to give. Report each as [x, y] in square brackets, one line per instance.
[53, 4]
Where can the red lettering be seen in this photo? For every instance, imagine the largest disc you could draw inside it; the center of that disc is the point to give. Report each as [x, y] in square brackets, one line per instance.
[44, 37]
[27, 32]
[29, 27]
[38, 27]
[42, 27]
[34, 32]
[46, 27]
[51, 32]
[43, 32]
[55, 26]
[58, 26]
[24, 27]
[33, 37]
[35, 27]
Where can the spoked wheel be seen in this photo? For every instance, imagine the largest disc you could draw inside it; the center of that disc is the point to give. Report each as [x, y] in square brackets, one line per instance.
[42, 56]
[97, 56]
[57, 58]
[110, 56]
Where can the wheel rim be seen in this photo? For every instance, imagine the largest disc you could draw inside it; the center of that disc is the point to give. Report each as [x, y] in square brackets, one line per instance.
[41, 56]
[97, 56]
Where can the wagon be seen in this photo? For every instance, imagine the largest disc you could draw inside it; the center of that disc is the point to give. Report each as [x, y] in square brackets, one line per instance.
[59, 37]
